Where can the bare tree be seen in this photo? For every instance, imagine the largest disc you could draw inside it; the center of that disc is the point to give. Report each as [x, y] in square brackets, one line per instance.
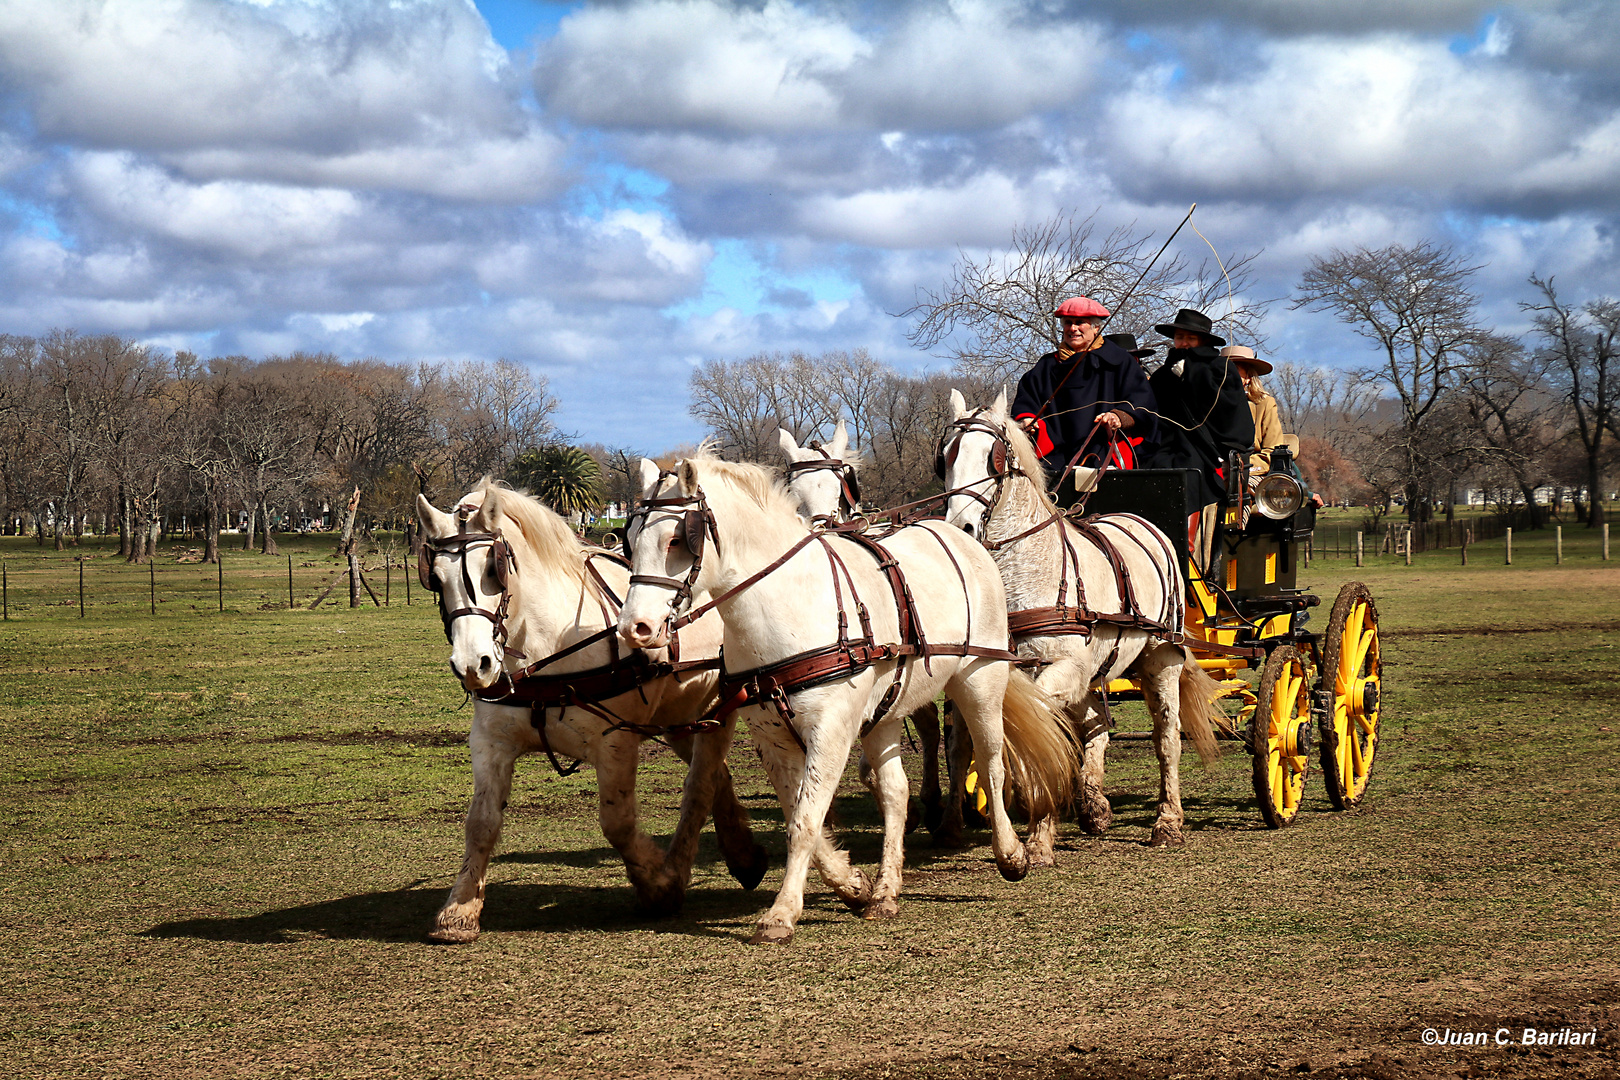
[743, 402]
[1582, 346]
[994, 314]
[1509, 402]
[1415, 303]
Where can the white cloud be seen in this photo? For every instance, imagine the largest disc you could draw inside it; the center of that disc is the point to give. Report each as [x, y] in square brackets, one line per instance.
[783, 67]
[403, 94]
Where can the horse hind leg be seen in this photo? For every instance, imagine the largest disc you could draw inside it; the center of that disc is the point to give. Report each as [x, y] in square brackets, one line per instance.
[746, 860]
[926, 720]
[1161, 689]
[457, 922]
[959, 756]
[893, 793]
[660, 889]
[1091, 730]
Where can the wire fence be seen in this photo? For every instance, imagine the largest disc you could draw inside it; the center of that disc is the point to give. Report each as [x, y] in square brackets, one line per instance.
[68, 584]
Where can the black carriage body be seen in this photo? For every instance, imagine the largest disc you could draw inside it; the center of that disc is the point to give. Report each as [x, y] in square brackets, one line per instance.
[1165, 497]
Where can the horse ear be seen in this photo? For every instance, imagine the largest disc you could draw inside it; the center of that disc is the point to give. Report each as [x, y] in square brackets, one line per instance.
[435, 522]
[789, 445]
[958, 404]
[649, 476]
[490, 510]
[687, 471]
[840, 441]
[999, 409]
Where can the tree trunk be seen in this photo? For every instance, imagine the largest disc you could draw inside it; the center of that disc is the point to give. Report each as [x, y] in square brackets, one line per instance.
[247, 532]
[154, 529]
[267, 542]
[125, 542]
[346, 544]
[1594, 492]
[57, 531]
[1538, 520]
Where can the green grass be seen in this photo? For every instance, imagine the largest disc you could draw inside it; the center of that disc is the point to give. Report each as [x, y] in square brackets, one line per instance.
[226, 834]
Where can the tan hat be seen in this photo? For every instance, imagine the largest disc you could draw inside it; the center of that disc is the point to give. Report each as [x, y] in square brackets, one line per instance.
[1242, 354]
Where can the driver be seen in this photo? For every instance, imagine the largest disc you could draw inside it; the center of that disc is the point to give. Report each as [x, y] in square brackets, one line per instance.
[1087, 393]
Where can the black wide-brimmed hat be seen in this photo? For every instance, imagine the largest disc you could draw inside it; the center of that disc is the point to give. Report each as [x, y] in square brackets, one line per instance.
[1196, 321]
[1128, 343]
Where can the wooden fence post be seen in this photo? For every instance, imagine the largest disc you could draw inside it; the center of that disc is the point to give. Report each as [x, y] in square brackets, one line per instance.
[1509, 545]
[81, 586]
[1605, 541]
[5, 592]
[1360, 550]
[1408, 547]
[1558, 550]
[289, 584]
[1468, 534]
[388, 580]
[151, 585]
[221, 565]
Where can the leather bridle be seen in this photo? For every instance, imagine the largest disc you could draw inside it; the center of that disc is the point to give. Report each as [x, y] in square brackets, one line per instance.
[849, 488]
[1002, 465]
[458, 544]
[696, 525]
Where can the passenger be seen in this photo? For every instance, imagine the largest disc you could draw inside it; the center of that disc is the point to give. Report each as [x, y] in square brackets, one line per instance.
[1128, 343]
[1083, 392]
[1204, 417]
[1268, 431]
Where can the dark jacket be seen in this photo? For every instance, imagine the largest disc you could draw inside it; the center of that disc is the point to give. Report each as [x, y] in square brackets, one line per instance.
[1207, 398]
[1092, 383]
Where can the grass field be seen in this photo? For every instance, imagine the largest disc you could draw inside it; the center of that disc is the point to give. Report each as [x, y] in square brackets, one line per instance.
[226, 834]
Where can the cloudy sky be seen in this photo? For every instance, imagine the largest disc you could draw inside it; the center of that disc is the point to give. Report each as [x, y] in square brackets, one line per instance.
[614, 192]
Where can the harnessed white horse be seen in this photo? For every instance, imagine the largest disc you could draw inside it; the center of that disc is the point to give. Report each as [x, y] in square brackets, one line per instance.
[530, 614]
[825, 644]
[1090, 600]
[823, 479]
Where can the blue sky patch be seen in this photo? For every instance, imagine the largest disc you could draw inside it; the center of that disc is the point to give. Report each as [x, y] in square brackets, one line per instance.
[516, 24]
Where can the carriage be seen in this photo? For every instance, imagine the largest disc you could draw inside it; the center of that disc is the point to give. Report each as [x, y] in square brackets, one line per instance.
[1317, 691]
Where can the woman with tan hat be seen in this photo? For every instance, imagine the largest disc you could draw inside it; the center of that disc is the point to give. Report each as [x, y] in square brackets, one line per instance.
[1268, 431]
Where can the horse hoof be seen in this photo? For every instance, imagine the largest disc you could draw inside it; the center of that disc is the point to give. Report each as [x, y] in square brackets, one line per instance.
[751, 873]
[1016, 868]
[1042, 858]
[1166, 836]
[1096, 815]
[881, 909]
[453, 935]
[933, 815]
[913, 817]
[661, 903]
[771, 935]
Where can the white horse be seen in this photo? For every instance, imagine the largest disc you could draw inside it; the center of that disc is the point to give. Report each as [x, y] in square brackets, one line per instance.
[516, 586]
[823, 480]
[727, 536]
[1059, 571]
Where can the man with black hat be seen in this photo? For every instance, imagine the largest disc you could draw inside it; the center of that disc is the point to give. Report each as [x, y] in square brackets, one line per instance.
[1088, 393]
[1204, 416]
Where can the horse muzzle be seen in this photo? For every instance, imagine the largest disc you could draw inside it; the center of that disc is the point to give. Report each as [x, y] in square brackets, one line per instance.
[641, 634]
[479, 673]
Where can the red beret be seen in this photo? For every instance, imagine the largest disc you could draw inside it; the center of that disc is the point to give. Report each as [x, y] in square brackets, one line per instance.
[1081, 307]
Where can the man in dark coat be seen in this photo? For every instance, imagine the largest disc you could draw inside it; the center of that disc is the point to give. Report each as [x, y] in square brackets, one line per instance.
[1205, 415]
[1087, 386]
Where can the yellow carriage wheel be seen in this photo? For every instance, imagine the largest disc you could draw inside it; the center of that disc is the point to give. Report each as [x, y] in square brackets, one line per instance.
[1351, 671]
[1280, 735]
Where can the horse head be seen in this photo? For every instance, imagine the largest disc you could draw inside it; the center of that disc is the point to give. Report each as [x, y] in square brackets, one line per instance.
[822, 477]
[976, 456]
[665, 537]
[467, 562]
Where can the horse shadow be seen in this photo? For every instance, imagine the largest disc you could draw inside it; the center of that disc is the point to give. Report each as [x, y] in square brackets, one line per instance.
[405, 914]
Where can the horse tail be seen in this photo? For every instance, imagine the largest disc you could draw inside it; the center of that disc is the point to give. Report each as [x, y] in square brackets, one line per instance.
[1040, 756]
[1200, 708]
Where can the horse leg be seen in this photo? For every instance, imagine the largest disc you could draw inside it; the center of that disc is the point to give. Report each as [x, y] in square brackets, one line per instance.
[978, 690]
[959, 751]
[745, 859]
[659, 889]
[1161, 689]
[1091, 727]
[698, 795]
[806, 782]
[893, 792]
[926, 720]
[493, 755]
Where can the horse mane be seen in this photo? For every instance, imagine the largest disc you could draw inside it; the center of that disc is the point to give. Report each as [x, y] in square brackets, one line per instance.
[542, 528]
[1028, 461]
[760, 484]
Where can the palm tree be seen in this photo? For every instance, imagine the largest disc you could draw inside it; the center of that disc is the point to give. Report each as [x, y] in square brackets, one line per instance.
[565, 478]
